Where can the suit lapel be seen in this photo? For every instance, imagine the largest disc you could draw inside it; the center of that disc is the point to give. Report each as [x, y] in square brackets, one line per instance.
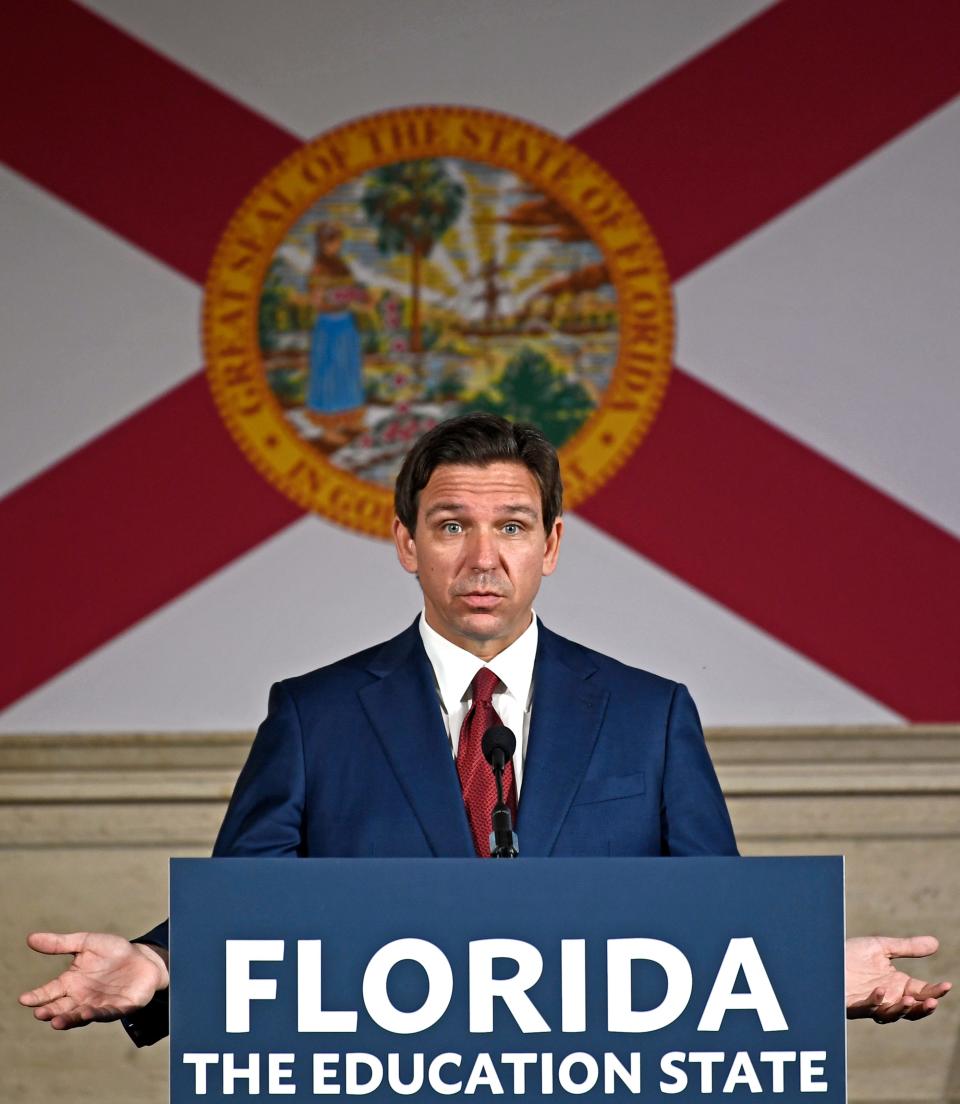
[565, 721]
[403, 709]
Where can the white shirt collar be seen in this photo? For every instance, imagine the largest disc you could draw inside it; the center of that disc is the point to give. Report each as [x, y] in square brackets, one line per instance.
[455, 668]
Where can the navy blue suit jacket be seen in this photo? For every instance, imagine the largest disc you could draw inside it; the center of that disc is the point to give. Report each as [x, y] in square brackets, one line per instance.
[353, 760]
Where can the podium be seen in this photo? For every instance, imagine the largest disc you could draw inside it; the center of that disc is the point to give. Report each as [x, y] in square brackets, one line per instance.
[556, 978]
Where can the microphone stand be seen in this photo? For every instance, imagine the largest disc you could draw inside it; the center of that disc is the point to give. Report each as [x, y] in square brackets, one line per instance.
[503, 839]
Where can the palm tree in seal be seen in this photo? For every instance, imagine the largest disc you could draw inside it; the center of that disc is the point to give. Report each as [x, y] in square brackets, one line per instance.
[412, 204]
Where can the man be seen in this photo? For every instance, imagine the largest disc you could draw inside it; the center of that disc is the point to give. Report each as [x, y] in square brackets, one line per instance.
[378, 754]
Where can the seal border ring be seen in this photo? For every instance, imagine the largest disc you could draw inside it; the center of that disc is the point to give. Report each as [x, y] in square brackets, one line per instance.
[578, 484]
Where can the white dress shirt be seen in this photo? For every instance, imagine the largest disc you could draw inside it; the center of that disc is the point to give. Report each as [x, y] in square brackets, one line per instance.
[454, 670]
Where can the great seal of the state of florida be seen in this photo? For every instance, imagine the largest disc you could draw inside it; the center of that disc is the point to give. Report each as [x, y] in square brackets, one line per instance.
[420, 263]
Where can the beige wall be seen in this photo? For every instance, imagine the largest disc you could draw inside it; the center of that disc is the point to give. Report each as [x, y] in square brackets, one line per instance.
[87, 824]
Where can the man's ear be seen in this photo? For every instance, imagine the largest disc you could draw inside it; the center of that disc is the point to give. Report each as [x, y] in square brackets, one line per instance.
[405, 545]
[552, 550]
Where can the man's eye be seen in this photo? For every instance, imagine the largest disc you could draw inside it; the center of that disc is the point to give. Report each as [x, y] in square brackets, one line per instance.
[452, 527]
[512, 528]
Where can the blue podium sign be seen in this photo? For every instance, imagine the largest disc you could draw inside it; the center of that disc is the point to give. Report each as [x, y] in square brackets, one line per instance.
[608, 978]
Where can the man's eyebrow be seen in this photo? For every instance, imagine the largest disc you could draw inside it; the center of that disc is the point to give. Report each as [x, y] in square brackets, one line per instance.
[507, 508]
[444, 508]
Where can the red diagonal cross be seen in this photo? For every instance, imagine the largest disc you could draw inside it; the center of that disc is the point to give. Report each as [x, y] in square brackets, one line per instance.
[805, 550]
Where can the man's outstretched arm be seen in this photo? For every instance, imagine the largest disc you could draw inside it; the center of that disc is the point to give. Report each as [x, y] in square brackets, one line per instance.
[109, 977]
[876, 988]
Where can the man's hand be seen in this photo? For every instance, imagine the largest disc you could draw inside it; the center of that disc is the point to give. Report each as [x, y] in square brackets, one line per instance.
[108, 978]
[875, 988]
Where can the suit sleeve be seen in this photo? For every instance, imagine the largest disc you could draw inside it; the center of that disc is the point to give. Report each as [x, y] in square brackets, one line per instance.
[693, 814]
[264, 818]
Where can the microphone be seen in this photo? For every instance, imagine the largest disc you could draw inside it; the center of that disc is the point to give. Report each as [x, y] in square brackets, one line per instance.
[498, 745]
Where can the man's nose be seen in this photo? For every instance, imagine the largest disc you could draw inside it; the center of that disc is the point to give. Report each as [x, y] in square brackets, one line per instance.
[483, 550]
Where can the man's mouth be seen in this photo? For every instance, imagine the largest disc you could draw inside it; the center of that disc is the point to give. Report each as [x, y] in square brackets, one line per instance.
[481, 600]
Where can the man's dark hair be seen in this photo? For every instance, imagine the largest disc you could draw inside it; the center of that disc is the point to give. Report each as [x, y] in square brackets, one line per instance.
[479, 440]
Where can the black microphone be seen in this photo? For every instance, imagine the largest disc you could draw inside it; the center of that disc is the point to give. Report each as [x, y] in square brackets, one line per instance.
[498, 745]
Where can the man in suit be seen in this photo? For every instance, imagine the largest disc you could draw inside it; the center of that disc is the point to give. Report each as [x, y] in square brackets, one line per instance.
[378, 754]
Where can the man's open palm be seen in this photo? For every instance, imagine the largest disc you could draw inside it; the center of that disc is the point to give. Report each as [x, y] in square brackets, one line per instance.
[108, 978]
[875, 987]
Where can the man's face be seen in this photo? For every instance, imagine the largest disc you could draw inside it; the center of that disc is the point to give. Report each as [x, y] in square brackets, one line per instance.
[480, 551]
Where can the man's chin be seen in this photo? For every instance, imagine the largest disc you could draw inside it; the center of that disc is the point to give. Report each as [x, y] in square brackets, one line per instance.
[479, 632]
[482, 625]
[483, 632]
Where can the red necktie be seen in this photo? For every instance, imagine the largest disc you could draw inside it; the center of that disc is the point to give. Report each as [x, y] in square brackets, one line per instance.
[476, 774]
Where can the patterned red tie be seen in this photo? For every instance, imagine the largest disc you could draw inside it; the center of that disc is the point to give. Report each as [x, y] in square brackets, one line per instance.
[476, 774]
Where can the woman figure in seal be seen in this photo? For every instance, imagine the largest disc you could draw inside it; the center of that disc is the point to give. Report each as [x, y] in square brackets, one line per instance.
[334, 387]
